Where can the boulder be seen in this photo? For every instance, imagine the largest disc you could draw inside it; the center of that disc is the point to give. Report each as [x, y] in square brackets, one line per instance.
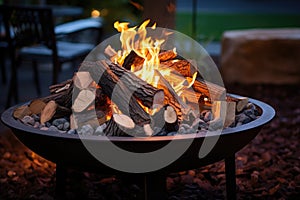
[261, 56]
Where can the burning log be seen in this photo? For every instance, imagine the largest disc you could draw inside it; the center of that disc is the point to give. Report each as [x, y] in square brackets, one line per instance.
[204, 103]
[166, 55]
[211, 90]
[171, 96]
[132, 59]
[112, 86]
[177, 78]
[146, 93]
[191, 96]
[119, 125]
[102, 103]
[181, 66]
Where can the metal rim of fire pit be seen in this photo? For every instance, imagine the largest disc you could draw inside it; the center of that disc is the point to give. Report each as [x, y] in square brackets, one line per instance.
[267, 114]
[154, 182]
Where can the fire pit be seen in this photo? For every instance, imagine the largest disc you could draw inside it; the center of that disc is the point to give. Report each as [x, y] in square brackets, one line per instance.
[68, 151]
[143, 111]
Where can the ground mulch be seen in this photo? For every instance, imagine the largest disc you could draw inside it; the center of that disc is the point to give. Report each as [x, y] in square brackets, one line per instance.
[267, 168]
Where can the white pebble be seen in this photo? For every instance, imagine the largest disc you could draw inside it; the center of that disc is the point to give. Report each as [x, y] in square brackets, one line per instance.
[100, 129]
[86, 130]
[44, 128]
[53, 128]
[28, 120]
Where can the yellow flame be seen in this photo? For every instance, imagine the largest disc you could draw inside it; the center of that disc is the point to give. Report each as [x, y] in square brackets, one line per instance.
[115, 109]
[136, 39]
[193, 80]
[154, 26]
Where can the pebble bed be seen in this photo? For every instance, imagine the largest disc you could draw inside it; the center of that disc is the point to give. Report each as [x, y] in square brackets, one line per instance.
[201, 124]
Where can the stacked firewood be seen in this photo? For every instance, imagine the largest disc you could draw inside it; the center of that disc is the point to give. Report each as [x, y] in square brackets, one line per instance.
[111, 96]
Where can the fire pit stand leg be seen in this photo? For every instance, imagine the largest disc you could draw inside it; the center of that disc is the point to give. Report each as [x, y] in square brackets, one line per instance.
[230, 177]
[61, 174]
[155, 186]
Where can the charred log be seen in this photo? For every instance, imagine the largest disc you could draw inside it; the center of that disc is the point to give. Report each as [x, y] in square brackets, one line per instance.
[146, 93]
[132, 59]
[56, 88]
[61, 94]
[117, 91]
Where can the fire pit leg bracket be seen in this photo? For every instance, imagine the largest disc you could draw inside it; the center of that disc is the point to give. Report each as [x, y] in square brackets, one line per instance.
[230, 177]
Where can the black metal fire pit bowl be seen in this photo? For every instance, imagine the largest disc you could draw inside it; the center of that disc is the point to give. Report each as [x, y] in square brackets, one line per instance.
[68, 151]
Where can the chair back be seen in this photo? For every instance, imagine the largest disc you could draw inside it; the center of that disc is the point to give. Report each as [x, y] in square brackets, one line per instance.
[29, 25]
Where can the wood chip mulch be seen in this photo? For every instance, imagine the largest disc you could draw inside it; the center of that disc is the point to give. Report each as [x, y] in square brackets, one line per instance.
[267, 168]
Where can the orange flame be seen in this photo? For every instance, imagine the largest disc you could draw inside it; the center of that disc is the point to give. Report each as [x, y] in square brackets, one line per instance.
[136, 39]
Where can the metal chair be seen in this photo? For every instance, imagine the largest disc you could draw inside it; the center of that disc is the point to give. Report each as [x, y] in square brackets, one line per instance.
[3, 48]
[31, 36]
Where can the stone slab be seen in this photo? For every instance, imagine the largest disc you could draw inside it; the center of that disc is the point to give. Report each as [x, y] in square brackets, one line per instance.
[261, 56]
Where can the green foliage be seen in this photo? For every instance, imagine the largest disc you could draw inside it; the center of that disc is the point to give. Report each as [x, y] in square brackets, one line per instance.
[210, 26]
